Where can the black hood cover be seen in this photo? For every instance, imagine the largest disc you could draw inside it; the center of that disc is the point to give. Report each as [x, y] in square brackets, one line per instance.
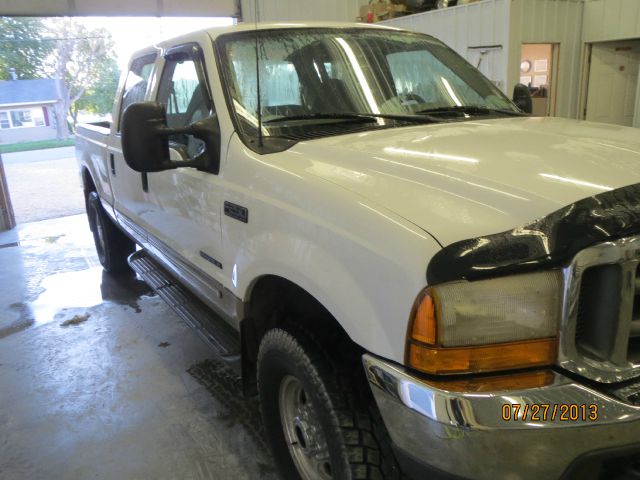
[548, 242]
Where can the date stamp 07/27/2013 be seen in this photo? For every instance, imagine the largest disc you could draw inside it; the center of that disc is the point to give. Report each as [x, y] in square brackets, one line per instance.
[549, 412]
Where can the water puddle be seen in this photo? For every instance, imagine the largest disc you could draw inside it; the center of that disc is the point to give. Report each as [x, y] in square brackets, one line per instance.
[74, 292]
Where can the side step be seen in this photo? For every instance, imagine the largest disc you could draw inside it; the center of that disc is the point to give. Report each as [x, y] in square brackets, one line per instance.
[214, 330]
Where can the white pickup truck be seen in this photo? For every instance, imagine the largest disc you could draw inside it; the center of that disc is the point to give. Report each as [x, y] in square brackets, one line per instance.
[415, 277]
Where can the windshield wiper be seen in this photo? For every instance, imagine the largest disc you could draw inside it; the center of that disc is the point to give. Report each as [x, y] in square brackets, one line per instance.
[470, 110]
[358, 117]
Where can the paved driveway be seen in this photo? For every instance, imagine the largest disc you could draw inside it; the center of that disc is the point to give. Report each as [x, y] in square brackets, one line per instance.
[43, 184]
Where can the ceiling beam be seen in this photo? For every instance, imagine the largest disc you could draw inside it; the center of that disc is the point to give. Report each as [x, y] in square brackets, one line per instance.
[125, 8]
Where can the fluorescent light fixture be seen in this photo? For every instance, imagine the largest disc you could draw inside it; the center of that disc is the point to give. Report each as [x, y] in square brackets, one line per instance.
[359, 75]
[431, 156]
[576, 182]
[450, 91]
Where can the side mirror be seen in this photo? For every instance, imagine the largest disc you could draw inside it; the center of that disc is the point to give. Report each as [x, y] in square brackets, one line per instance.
[522, 98]
[145, 140]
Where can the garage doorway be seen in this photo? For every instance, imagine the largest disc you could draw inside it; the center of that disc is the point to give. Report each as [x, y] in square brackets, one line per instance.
[538, 63]
[39, 169]
[612, 94]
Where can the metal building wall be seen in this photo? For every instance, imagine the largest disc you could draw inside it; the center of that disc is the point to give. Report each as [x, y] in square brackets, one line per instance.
[550, 21]
[510, 24]
[302, 10]
[465, 28]
[606, 20]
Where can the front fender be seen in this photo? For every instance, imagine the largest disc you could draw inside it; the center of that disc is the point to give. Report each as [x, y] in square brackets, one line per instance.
[362, 262]
[323, 277]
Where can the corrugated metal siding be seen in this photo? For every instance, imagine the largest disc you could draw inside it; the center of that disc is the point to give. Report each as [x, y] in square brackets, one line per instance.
[464, 27]
[606, 20]
[302, 10]
[550, 21]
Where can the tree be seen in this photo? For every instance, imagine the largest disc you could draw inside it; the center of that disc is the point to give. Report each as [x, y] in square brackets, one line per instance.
[21, 47]
[82, 60]
[98, 99]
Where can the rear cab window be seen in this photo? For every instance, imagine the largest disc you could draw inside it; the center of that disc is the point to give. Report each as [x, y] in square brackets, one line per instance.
[136, 83]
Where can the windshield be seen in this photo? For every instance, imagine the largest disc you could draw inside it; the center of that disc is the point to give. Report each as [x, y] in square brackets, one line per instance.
[329, 80]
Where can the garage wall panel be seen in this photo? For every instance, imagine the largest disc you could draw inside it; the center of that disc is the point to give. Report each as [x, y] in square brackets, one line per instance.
[550, 21]
[465, 28]
[302, 10]
[191, 8]
[606, 20]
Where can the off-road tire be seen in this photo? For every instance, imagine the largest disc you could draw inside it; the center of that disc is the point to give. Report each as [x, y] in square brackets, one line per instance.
[357, 440]
[112, 245]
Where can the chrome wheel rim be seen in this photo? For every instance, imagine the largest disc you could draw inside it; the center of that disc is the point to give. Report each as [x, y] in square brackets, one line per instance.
[303, 432]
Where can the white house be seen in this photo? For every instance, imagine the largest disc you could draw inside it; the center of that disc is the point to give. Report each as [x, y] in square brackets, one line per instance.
[27, 110]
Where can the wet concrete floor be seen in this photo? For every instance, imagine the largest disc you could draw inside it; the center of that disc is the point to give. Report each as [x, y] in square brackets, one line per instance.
[99, 379]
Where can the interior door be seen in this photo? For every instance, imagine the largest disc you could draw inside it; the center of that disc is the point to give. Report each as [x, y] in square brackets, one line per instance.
[613, 81]
[185, 203]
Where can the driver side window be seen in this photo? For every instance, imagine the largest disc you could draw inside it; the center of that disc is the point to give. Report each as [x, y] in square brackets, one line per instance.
[186, 101]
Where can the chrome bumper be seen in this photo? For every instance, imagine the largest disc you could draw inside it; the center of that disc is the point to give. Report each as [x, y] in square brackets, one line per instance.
[464, 434]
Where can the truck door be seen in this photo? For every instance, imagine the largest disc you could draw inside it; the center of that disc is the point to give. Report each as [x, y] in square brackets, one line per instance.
[185, 204]
[128, 185]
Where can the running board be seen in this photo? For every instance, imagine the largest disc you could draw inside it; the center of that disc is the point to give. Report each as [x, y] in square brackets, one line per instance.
[213, 329]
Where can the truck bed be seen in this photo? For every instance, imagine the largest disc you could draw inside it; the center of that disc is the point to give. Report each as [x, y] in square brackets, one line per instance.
[92, 140]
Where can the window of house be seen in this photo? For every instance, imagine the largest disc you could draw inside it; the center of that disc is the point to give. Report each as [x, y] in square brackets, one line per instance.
[21, 118]
[32, 117]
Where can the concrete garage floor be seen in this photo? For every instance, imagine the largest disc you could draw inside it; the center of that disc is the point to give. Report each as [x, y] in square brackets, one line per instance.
[99, 379]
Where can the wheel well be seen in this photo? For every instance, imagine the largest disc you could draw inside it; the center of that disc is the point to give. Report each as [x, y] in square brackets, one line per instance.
[87, 182]
[277, 302]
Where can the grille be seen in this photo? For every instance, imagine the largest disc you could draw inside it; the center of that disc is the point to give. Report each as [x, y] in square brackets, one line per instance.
[598, 311]
[600, 337]
[634, 334]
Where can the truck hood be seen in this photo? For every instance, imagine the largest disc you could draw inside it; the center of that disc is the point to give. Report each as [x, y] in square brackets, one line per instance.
[468, 179]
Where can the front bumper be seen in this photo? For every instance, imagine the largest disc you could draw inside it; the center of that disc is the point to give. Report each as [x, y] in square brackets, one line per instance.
[463, 434]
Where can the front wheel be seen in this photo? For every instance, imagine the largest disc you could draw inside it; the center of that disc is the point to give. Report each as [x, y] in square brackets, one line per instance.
[112, 245]
[316, 424]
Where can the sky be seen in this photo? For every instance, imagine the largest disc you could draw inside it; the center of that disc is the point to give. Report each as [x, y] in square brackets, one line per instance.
[133, 33]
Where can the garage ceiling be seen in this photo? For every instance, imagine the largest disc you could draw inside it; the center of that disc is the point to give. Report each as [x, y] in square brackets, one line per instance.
[155, 8]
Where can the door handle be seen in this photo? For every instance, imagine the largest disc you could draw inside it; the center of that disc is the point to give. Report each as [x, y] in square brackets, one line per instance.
[145, 182]
[112, 162]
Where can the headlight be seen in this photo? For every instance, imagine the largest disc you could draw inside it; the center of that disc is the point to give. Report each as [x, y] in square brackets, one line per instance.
[487, 325]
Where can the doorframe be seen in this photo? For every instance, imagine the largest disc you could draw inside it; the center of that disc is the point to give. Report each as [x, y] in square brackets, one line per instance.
[553, 73]
[555, 70]
[583, 94]
[636, 111]
[7, 218]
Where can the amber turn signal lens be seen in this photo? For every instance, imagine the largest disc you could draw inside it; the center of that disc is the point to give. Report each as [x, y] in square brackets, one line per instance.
[485, 358]
[498, 383]
[423, 326]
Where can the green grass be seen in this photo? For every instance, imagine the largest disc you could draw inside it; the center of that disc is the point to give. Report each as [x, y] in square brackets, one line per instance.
[39, 145]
